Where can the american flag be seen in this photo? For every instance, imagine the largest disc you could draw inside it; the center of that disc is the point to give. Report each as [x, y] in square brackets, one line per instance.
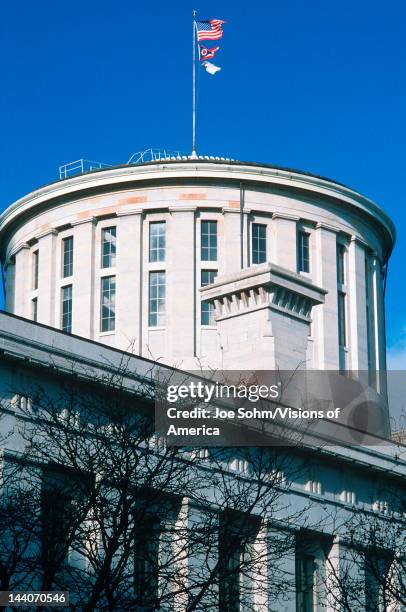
[209, 30]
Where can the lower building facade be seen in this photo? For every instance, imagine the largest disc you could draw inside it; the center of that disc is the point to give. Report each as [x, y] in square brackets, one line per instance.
[95, 503]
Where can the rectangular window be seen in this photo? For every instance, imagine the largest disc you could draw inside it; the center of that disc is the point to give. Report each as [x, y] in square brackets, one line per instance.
[66, 309]
[258, 243]
[369, 314]
[157, 241]
[35, 269]
[157, 290]
[340, 264]
[109, 247]
[305, 583]
[303, 251]
[146, 564]
[342, 334]
[209, 241]
[108, 304]
[237, 533]
[34, 305]
[67, 256]
[207, 310]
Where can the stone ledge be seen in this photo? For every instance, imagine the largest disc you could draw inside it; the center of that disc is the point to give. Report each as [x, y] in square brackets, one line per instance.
[263, 275]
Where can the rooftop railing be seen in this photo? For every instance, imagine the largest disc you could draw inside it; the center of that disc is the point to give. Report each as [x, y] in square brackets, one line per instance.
[80, 166]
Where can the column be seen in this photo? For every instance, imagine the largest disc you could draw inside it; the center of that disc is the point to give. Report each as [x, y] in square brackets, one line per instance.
[129, 284]
[379, 323]
[46, 278]
[23, 281]
[284, 249]
[83, 291]
[357, 306]
[9, 271]
[325, 316]
[231, 240]
[344, 575]
[202, 557]
[259, 572]
[181, 285]
[282, 569]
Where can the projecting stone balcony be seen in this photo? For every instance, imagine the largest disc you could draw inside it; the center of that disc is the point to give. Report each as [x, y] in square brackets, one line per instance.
[263, 286]
[263, 316]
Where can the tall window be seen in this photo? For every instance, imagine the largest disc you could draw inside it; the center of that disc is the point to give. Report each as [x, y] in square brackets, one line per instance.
[109, 247]
[108, 304]
[67, 256]
[66, 309]
[369, 313]
[207, 309]
[342, 334]
[236, 536]
[305, 583]
[209, 240]
[35, 269]
[303, 251]
[146, 563]
[157, 241]
[34, 306]
[340, 264]
[157, 291]
[258, 243]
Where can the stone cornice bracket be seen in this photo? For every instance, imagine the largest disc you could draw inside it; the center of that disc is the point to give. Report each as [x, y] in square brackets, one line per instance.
[286, 216]
[92, 220]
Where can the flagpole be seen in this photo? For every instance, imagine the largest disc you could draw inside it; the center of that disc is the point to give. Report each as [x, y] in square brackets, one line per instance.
[194, 154]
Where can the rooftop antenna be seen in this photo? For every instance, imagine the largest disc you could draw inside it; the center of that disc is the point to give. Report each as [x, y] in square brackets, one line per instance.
[194, 153]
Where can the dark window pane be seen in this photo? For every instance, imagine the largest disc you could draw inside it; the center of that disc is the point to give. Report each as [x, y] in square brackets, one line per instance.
[207, 309]
[258, 243]
[303, 252]
[341, 319]
[66, 309]
[340, 264]
[209, 241]
[35, 269]
[67, 256]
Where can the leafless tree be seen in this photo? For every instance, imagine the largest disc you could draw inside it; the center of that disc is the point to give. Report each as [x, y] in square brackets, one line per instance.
[370, 573]
[98, 505]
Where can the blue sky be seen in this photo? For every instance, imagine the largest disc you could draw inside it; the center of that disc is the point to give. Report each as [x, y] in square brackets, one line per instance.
[318, 86]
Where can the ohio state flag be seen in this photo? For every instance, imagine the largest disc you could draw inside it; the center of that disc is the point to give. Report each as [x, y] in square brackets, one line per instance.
[206, 54]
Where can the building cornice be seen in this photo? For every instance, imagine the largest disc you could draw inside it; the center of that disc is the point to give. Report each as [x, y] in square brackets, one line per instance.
[41, 346]
[187, 172]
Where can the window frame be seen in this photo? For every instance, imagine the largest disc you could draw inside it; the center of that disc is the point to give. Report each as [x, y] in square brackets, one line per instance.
[156, 316]
[67, 254]
[112, 293]
[209, 252]
[303, 262]
[256, 252]
[111, 254]
[35, 269]
[160, 249]
[68, 314]
[341, 252]
[206, 308]
[34, 309]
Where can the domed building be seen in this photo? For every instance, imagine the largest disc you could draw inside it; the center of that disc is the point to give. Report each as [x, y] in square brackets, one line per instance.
[205, 261]
[225, 265]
